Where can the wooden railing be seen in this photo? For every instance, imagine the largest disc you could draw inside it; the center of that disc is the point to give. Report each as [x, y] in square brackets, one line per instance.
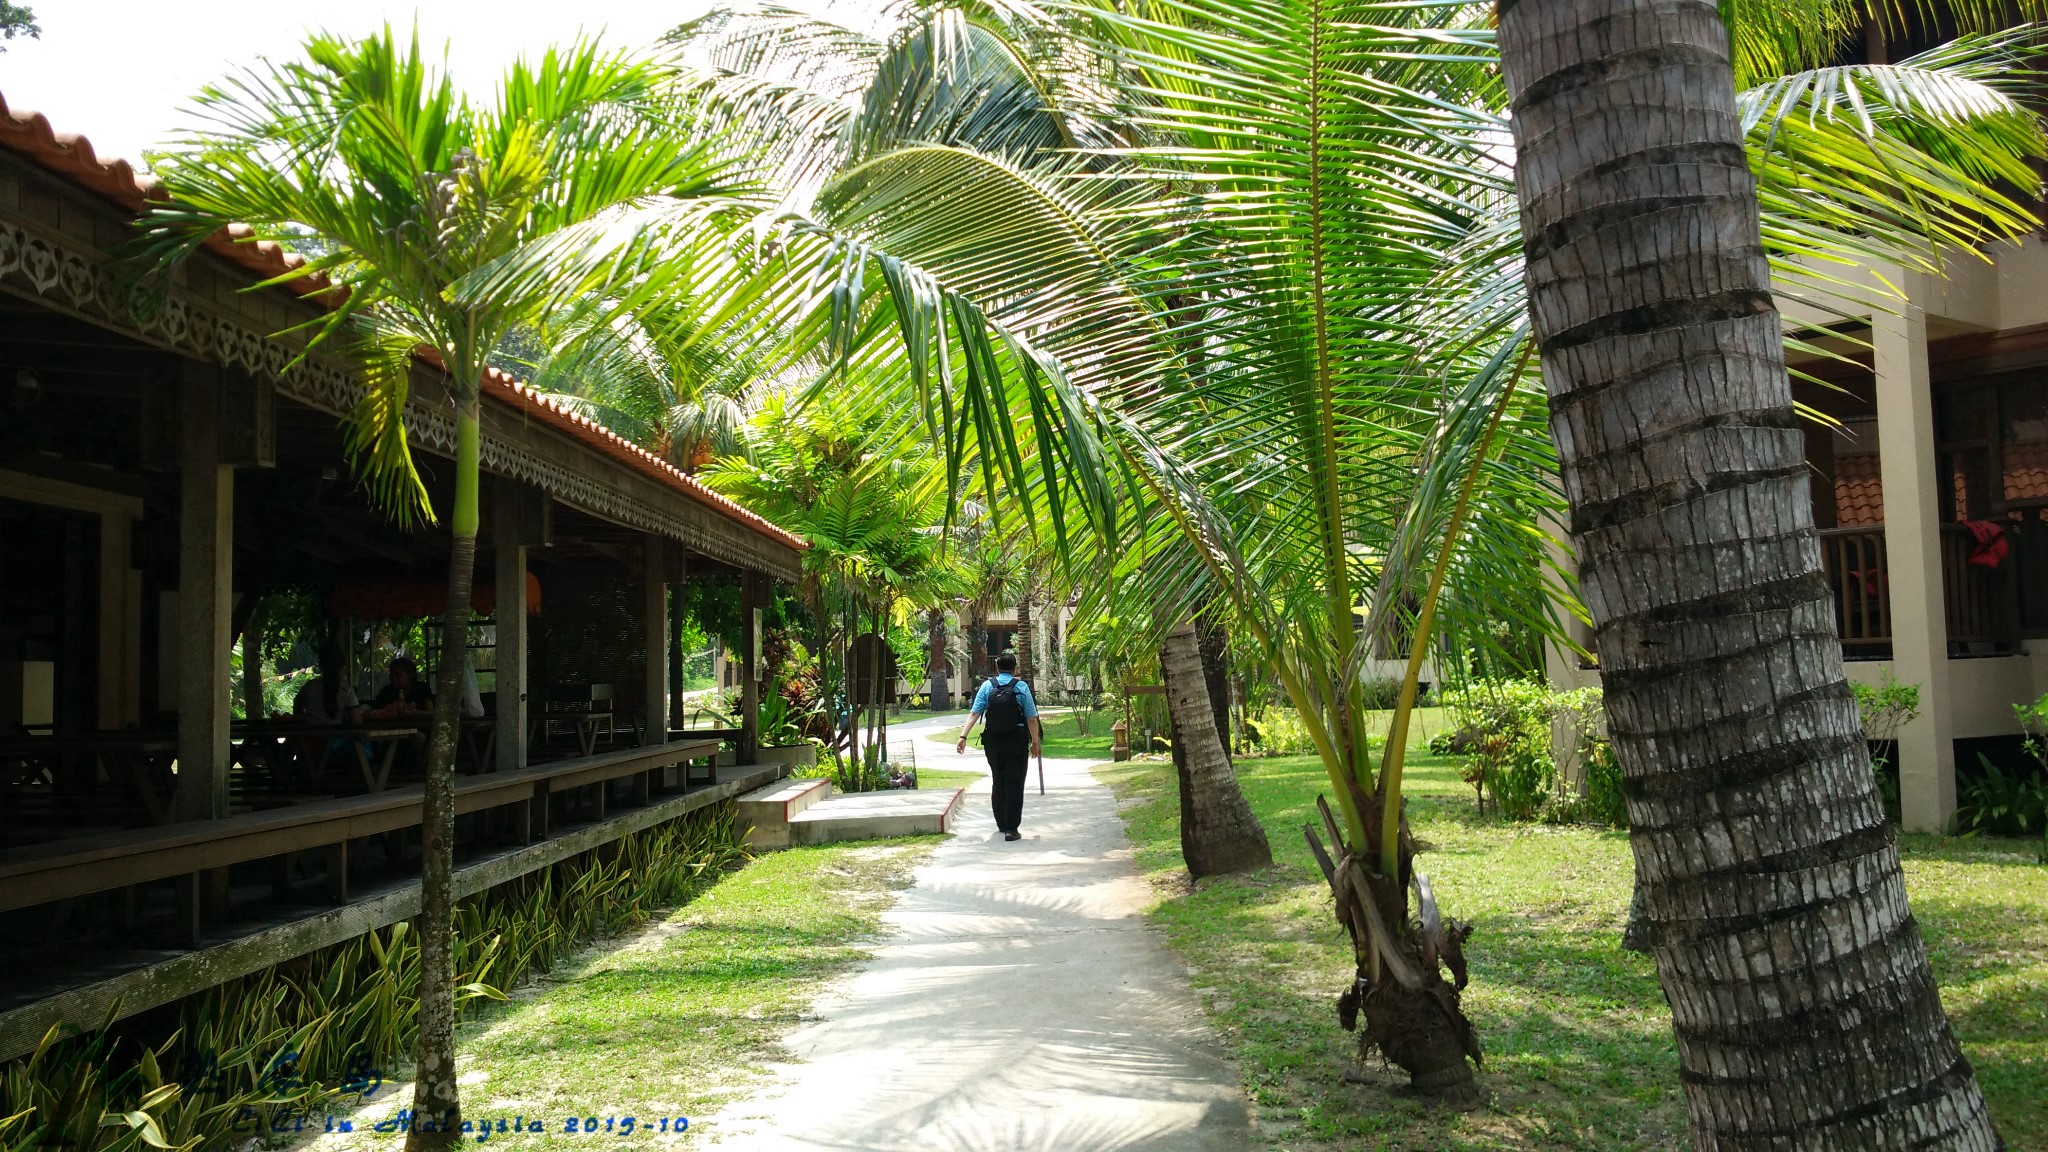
[68, 868]
[1982, 613]
[1854, 561]
[1981, 608]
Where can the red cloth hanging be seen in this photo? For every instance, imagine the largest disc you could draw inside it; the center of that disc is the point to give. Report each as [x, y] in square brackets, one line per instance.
[1992, 544]
[413, 599]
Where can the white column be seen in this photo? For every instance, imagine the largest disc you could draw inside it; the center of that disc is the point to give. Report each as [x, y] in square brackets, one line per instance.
[206, 551]
[1912, 537]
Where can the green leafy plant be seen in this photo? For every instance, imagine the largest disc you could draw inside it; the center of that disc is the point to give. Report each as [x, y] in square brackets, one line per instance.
[2033, 720]
[1885, 708]
[1999, 803]
[784, 723]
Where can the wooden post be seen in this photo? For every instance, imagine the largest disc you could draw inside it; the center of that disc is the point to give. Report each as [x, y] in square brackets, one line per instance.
[120, 622]
[206, 524]
[508, 546]
[654, 637]
[337, 872]
[753, 596]
[189, 909]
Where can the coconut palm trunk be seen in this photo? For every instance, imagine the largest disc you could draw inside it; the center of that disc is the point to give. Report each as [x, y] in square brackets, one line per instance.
[1218, 832]
[1027, 636]
[1772, 898]
[941, 696]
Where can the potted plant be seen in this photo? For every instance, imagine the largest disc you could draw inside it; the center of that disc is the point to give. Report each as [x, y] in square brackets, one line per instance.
[782, 733]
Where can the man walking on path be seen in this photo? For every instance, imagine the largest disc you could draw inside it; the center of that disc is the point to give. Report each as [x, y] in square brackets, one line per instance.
[1009, 736]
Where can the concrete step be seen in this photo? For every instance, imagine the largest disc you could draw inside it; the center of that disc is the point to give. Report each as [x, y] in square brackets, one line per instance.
[769, 810]
[865, 815]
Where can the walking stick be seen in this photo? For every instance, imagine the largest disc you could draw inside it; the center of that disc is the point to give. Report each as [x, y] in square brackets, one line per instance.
[1041, 770]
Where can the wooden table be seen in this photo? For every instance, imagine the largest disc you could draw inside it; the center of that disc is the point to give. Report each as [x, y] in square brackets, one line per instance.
[586, 725]
[138, 761]
[375, 745]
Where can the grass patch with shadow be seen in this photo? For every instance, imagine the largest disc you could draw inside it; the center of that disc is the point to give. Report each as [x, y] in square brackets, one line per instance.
[681, 1017]
[1577, 1035]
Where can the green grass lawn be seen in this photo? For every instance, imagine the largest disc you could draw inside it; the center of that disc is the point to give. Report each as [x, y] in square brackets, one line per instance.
[930, 778]
[1576, 1031]
[681, 1018]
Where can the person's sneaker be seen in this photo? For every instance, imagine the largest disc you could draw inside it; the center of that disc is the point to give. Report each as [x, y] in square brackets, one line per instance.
[1013, 835]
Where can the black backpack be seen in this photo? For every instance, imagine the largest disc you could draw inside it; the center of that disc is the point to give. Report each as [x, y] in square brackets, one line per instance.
[1005, 715]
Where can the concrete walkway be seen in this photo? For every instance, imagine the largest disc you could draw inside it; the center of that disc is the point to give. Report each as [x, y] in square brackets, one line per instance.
[1017, 1003]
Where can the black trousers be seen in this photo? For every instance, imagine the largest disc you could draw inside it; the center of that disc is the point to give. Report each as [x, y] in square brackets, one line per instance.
[1009, 762]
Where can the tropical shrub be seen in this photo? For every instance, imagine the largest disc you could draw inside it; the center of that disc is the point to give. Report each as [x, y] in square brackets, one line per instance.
[2003, 804]
[1276, 731]
[1509, 731]
[1886, 708]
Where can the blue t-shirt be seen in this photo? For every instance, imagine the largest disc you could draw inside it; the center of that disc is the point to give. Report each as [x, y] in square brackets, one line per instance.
[1024, 699]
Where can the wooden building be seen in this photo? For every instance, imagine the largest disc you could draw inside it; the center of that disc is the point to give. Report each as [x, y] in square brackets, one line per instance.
[164, 467]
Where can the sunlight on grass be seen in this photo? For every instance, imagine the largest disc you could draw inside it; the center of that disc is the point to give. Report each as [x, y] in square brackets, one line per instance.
[682, 1017]
[1576, 1031]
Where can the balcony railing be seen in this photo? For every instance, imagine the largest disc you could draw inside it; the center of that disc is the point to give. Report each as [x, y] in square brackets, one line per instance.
[1983, 617]
[1855, 564]
[1980, 601]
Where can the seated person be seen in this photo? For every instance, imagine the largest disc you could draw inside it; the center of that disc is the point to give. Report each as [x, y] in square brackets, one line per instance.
[405, 695]
[326, 699]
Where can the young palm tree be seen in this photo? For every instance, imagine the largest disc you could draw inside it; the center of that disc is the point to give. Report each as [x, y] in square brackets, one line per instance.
[870, 512]
[369, 151]
[1768, 875]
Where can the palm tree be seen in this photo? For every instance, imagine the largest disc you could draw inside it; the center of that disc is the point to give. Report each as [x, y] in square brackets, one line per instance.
[870, 512]
[951, 88]
[654, 378]
[1362, 428]
[1768, 876]
[407, 189]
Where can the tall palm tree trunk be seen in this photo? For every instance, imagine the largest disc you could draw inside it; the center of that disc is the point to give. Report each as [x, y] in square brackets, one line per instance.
[1800, 993]
[1027, 636]
[979, 658]
[1218, 832]
[437, 1107]
[252, 664]
[941, 686]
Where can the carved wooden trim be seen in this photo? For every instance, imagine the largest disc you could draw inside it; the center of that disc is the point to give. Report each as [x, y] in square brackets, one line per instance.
[41, 266]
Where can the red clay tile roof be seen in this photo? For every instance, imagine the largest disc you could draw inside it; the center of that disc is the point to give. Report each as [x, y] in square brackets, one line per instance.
[30, 135]
[2026, 471]
[1859, 491]
[72, 156]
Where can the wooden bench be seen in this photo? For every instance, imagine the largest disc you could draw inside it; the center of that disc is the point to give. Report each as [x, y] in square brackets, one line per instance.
[81, 866]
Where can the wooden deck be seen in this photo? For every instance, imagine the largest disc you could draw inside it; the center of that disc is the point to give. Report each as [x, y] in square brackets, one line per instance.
[140, 979]
[68, 868]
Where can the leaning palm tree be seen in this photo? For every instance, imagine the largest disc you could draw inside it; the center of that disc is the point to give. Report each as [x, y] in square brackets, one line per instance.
[406, 189]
